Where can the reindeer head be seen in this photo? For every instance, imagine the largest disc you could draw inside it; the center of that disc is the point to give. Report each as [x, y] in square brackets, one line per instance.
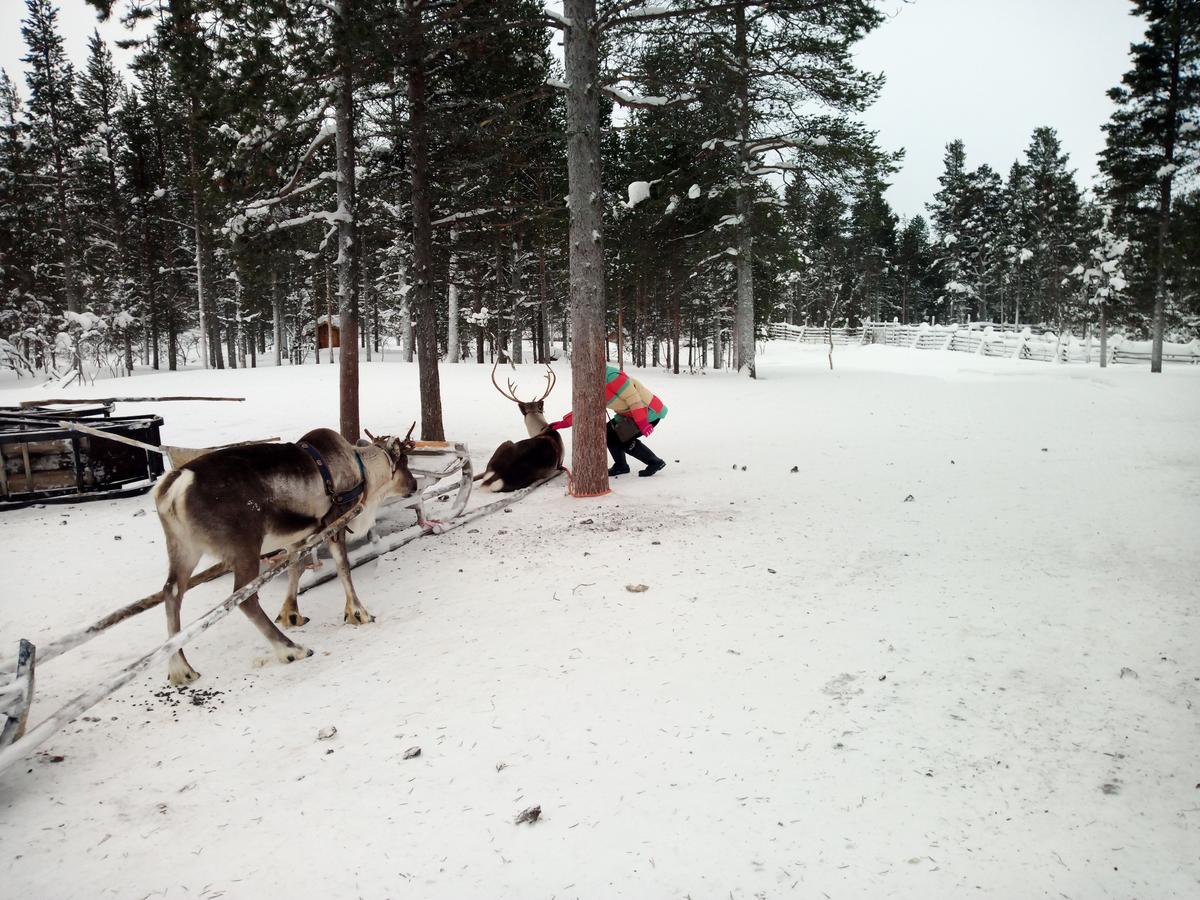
[397, 449]
[527, 407]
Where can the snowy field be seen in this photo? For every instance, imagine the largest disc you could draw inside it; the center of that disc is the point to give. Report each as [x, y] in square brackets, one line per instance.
[990, 689]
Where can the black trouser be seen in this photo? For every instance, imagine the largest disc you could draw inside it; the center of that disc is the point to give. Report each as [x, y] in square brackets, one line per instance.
[634, 448]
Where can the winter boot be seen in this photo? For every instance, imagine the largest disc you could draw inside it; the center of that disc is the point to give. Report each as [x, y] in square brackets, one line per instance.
[644, 454]
[617, 449]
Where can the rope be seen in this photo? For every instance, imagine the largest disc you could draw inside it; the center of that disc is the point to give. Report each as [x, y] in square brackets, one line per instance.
[571, 487]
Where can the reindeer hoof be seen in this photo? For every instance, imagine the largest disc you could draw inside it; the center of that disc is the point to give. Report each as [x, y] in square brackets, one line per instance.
[285, 654]
[291, 620]
[358, 617]
[179, 675]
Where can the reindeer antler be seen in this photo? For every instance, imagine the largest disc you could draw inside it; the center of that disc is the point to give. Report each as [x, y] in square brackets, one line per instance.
[551, 380]
[511, 393]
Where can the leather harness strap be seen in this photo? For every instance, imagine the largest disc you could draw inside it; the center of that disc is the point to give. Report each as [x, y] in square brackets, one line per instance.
[346, 499]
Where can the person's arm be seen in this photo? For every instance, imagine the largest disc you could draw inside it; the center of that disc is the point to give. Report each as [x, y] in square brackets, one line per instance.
[641, 418]
[565, 422]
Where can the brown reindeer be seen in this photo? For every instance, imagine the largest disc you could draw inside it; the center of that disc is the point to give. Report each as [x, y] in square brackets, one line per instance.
[238, 503]
[517, 465]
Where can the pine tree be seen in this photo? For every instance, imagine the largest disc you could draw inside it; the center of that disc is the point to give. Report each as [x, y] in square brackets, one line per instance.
[1104, 277]
[54, 126]
[1053, 224]
[873, 238]
[102, 209]
[1154, 135]
[914, 269]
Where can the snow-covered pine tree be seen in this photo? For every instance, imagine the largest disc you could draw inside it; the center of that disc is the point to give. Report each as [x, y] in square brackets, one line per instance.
[54, 126]
[952, 212]
[1153, 142]
[27, 217]
[104, 262]
[914, 272]
[873, 239]
[1103, 276]
[1052, 224]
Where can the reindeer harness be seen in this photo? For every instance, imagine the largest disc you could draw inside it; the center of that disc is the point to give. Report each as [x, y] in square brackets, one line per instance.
[339, 503]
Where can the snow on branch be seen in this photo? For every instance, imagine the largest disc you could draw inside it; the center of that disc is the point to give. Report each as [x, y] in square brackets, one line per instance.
[458, 217]
[556, 17]
[325, 132]
[320, 215]
[638, 101]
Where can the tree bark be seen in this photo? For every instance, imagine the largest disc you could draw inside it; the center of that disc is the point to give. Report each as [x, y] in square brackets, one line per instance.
[588, 450]
[422, 292]
[453, 354]
[1103, 335]
[745, 239]
[276, 313]
[514, 275]
[349, 260]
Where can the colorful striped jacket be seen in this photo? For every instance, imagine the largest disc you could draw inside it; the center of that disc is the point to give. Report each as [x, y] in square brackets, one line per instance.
[626, 396]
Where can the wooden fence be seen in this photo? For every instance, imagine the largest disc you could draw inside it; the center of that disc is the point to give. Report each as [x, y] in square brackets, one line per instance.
[1031, 342]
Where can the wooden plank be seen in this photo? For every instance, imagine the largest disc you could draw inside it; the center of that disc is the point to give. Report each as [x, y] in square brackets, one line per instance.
[3, 473]
[75, 638]
[32, 404]
[17, 696]
[28, 467]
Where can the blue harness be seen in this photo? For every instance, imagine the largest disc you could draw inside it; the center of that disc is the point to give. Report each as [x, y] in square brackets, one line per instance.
[343, 501]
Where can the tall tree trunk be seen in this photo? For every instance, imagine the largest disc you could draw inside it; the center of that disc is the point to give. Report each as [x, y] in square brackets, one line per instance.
[514, 274]
[200, 226]
[277, 312]
[620, 330]
[231, 332]
[543, 304]
[402, 289]
[1165, 184]
[453, 354]
[1160, 273]
[589, 457]
[329, 319]
[477, 307]
[366, 299]
[1103, 335]
[676, 290]
[422, 293]
[745, 212]
[500, 334]
[349, 259]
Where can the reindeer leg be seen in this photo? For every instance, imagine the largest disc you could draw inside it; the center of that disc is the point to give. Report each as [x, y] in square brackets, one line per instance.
[244, 571]
[356, 613]
[289, 613]
[181, 562]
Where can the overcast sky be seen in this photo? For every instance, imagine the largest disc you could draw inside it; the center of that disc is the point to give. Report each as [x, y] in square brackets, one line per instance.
[986, 71]
[989, 72]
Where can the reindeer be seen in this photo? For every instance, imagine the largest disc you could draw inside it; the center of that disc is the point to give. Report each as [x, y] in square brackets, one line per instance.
[238, 503]
[515, 466]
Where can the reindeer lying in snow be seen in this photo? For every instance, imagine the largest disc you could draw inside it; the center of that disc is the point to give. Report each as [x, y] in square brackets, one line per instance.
[238, 503]
[515, 466]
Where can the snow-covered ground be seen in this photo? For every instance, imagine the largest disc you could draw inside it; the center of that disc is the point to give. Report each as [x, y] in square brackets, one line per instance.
[828, 690]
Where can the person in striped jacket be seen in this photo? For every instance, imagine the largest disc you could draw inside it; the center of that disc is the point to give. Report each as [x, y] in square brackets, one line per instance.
[630, 401]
